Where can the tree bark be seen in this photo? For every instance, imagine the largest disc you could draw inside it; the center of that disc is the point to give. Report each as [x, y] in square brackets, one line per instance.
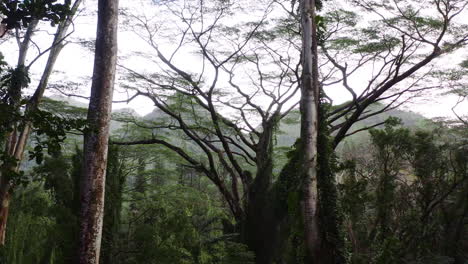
[3, 30]
[11, 142]
[17, 145]
[96, 138]
[309, 128]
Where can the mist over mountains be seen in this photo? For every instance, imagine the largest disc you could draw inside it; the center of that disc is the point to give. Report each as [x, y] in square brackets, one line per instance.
[288, 130]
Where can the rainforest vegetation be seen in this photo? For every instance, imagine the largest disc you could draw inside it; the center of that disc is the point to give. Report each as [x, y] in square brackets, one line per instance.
[263, 132]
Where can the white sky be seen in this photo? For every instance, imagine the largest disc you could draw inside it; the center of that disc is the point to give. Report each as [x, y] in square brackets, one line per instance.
[75, 64]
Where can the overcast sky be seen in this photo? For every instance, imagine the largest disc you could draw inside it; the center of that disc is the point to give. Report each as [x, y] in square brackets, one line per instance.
[75, 64]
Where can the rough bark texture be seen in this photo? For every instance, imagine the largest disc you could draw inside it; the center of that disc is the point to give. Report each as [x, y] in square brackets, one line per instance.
[96, 138]
[309, 128]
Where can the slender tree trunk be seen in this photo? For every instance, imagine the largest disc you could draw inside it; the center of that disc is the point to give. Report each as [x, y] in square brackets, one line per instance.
[18, 145]
[96, 138]
[140, 181]
[4, 215]
[11, 143]
[309, 128]
[3, 30]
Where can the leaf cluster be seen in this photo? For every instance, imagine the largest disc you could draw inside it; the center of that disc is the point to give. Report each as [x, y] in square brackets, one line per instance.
[19, 13]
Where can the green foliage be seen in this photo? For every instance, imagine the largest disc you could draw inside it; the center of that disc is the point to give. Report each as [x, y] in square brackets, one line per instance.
[49, 130]
[353, 192]
[289, 182]
[428, 22]
[160, 210]
[284, 27]
[43, 226]
[321, 28]
[115, 183]
[63, 109]
[343, 42]
[19, 13]
[399, 196]
[11, 83]
[377, 46]
[177, 224]
[288, 191]
[61, 175]
[464, 64]
[329, 208]
[346, 17]
[43, 221]
[397, 141]
[27, 239]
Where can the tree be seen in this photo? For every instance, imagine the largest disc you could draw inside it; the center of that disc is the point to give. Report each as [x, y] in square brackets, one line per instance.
[20, 14]
[17, 125]
[48, 202]
[309, 128]
[398, 200]
[401, 44]
[237, 151]
[97, 136]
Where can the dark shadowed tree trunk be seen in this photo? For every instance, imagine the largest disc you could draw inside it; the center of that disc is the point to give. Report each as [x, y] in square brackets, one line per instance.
[309, 128]
[115, 180]
[258, 230]
[96, 138]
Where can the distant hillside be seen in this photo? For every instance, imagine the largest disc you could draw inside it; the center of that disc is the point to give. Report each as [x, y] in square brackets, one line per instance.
[69, 106]
[289, 128]
[287, 133]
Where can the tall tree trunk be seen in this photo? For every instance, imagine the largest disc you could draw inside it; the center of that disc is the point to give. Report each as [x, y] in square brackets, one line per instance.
[309, 128]
[9, 169]
[258, 227]
[18, 144]
[96, 138]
